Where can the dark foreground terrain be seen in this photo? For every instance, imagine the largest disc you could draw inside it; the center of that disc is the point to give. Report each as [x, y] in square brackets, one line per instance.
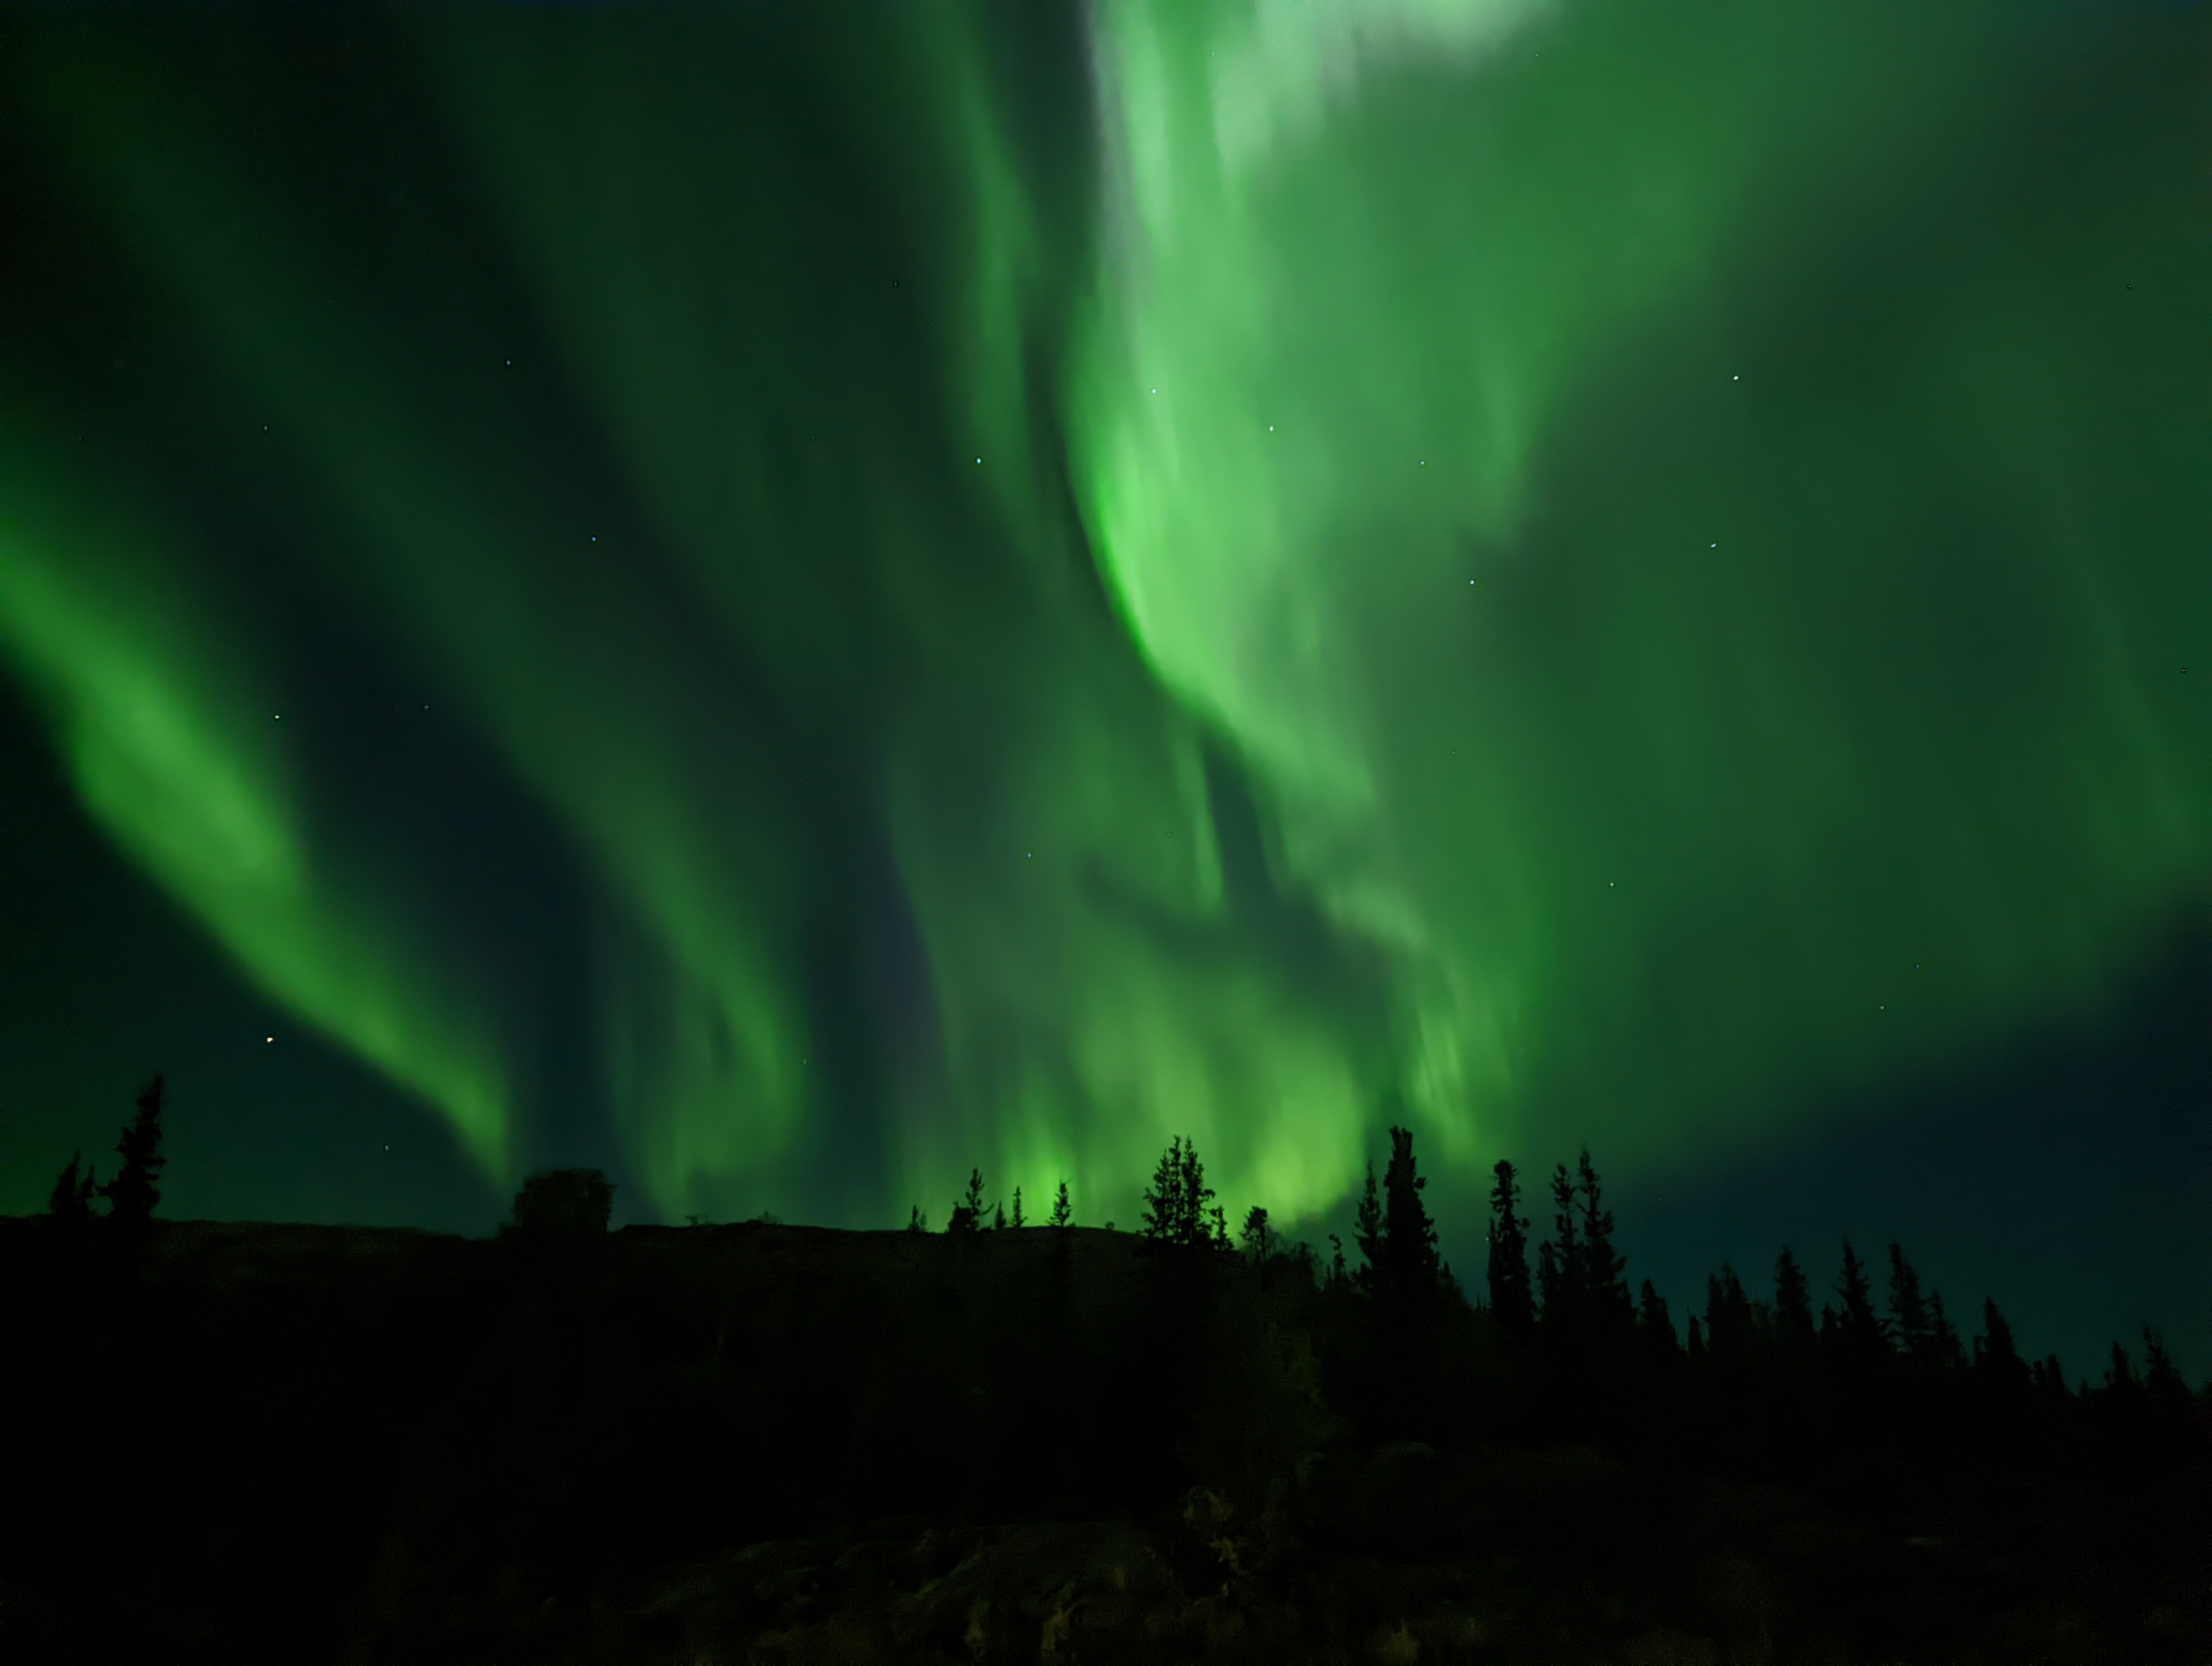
[780, 1444]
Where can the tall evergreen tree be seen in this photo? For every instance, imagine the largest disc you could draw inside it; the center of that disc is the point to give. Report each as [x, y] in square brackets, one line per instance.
[999, 1218]
[2120, 1379]
[69, 1204]
[1258, 1237]
[1367, 1235]
[1655, 1326]
[136, 1190]
[1911, 1325]
[968, 1213]
[915, 1220]
[1944, 1347]
[1857, 1331]
[1063, 1213]
[1176, 1204]
[2048, 1379]
[1731, 1329]
[1018, 1220]
[1605, 1285]
[1793, 1301]
[1559, 1260]
[1997, 1356]
[1164, 1203]
[1510, 1298]
[2163, 1383]
[1410, 1269]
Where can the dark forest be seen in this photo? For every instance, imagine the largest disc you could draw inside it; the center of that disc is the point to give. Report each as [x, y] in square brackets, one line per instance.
[1009, 1441]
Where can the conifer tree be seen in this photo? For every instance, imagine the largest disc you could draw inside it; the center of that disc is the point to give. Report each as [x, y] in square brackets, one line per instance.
[1857, 1331]
[1997, 1356]
[136, 1190]
[1944, 1335]
[1018, 1207]
[2048, 1378]
[1696, 1347]
[916, 1221]
[1792, 1300]
[1217, 1236]
[2120, 1379]
[1910, 1323]
[1410, 1269]
[968, 1213]
[69, 1204]
[1729, 1326]
[1258, 1237]
[1511, 1299]
[1164, 1203]
[999, 1218]
[1654, 1324]
[1337, 1275]
[1559, 1259]
[1605, 1288]
[1063, 1213]
[1176, 1204]
[1367, 1233]
[2163, 1383]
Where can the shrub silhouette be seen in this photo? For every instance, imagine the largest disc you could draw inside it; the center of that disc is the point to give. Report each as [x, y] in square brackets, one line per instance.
[563, 1205]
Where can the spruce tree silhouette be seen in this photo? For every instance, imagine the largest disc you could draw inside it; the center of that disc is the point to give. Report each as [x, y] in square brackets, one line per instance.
[135, 1191]
[1793, 1302]
[2164, 1386]
[1511, 1300]
[1258, 1236]
[1655, 1326]
[916, 1221]
[1945, 1349]
[1367, 1234]
[1409, 1270]
[1164, 1203]
[999, 1218]
[968, 1213]
[2047, 1378]
[1176, 1203]
[1731, 1328]
[1856, 1333]
[1997, 1363]
[1695, 1347]
[1911, 1325]
[2121, 1382]
[1063, 1213]
[1560, 1261]
[1018, 1220]
[69, 1227]
[1607, 1309]
[69, 1205]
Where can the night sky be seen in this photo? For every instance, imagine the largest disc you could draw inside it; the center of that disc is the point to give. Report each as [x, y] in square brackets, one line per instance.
[787, 598]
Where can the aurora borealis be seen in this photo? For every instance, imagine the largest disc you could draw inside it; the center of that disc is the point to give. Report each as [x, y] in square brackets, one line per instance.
[786, 600]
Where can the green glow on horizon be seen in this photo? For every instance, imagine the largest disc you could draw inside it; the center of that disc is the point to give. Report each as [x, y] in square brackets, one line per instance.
[1653, 591]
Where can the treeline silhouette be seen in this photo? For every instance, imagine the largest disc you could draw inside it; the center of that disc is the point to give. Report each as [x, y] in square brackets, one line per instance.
[1011, 1441]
